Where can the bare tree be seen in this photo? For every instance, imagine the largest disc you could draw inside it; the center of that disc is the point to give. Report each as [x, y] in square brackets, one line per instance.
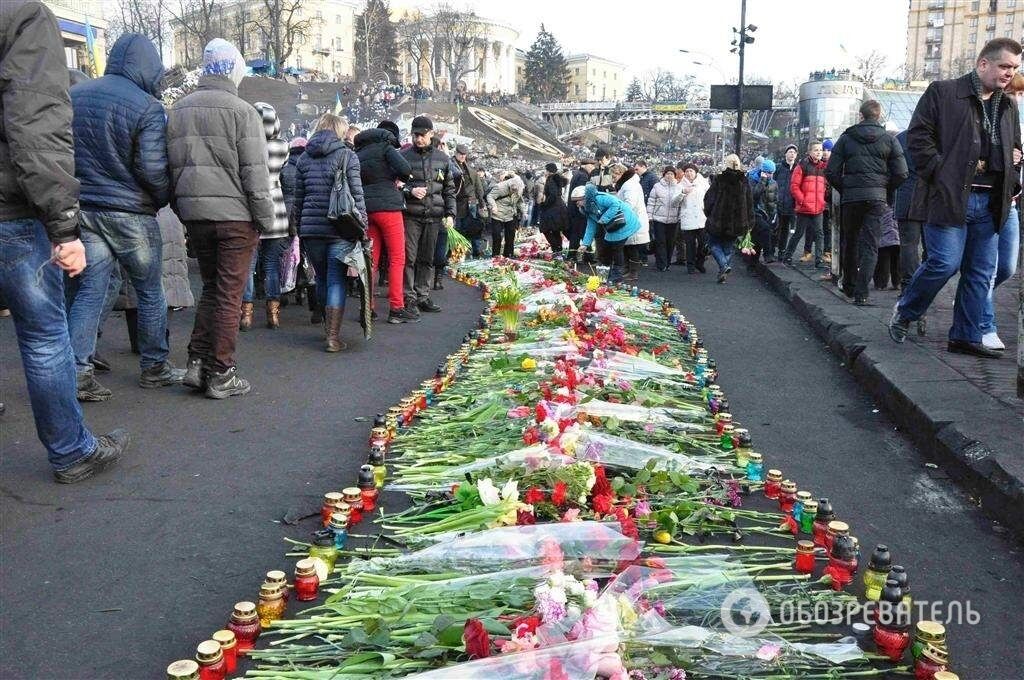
[457, 34]
[682, 88]
[869, 66]
[283, 26]
[200, 22]
[661, 85]
[414, 36]
[148, 17]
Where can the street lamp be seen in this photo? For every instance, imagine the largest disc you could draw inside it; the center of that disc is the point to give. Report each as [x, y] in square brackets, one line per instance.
[739, 46]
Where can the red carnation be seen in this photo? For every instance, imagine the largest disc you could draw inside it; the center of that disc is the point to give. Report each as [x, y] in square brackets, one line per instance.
[525, 518]
[602, 504]
[478, 642]
[627, 524]
[533, 496]
[531, 436]
[790, 524]
[531, 623]
[558, 495]
[602, 487]
[541, 412]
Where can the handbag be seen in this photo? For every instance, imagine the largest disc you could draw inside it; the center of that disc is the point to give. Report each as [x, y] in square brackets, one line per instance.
[618, 222]
[341, 211]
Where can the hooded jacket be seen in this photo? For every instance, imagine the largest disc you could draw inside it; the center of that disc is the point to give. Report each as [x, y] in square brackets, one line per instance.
[866, 164]
[729, 205]
[277, 156]
[37, 161]
[765, 195]
[505, 199]
[314, 178]
[121, 133]
[432, 169]
[380, 166]
[601, 208]
[691, 205]
[647, 182]
[630, 192]
[218, 154]
[663, 203]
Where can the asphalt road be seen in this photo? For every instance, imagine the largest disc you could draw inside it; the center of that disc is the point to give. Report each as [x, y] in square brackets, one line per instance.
[118, 576]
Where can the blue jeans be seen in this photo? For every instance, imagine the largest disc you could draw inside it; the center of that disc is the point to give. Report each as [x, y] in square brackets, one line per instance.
[134, 241]
[721, 250]
[970, 248]
[271, 250]
[1006, 266]
[326, 258]
[33, 289]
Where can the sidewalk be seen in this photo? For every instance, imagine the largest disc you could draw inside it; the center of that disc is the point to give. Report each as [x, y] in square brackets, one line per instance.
[962, 411]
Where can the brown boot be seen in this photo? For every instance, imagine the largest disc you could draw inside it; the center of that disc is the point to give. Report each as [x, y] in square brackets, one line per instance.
[332, 321]
[246, 322]
[273, 314]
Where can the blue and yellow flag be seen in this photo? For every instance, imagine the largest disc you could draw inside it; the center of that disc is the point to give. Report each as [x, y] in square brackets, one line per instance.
[96, 57]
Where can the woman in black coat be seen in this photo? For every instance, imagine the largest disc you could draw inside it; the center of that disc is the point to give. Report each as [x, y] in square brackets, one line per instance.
[554, 215]
[729, 207]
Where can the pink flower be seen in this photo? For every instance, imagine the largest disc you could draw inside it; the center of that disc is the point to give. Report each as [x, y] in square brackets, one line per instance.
[571, 515]
[642, 509]
[768, 652]
[519, 412]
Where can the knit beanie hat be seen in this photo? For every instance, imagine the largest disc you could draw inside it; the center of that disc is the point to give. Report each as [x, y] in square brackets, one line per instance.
[791, 146]
[221, 58]
[297, 143]
[768, 165]
[827, 144]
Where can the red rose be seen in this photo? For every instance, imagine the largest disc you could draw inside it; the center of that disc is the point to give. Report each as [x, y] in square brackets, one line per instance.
[558, 495]
[478, 642]
[627, 524]
[601, 504]
[533, 496]
[790, 524]
[531, 436]
[541, 412]
[602, 487]
[531, 623]
[524, 518]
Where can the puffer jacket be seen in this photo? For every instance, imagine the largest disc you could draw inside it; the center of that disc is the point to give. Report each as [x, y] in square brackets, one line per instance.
[601, 208]
[866, 164]
[691, 205]
[431, 168]
[663, 203]
[288, 183]
[505, 200]
[277, 155]
[766, 198]
[121, 132]
[314, 178]
[729, 205]
[631, 192]
[173, 268]
[218, 156]
[808, 187]
[783, 177]
[380, 166]
[37, 160]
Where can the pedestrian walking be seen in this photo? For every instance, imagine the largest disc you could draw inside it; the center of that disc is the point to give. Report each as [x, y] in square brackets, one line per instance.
[663, 209]
[554, 214]
[221, 191]
[326, 243]
[965, 138]
[607, 213]
[441, 246]
[808, 188]
[730, 213]
[120, 131]
[430, 207]
[381, 168]
[787, 214]
[304, 278]
[692, 218]
[866, 167]
[274, 242]
[505, 206]
[39, 216]
[630, 192]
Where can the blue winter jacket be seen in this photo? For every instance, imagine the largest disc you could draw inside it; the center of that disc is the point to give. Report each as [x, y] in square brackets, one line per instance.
[314, 177]
[601, 208]
[905, 191]
[120, 132]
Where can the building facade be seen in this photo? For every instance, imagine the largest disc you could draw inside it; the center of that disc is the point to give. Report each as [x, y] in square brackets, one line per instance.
[828, 106]
[325, 47]
[594, 78]
[72, 17]
[945, 36]
[492, 61]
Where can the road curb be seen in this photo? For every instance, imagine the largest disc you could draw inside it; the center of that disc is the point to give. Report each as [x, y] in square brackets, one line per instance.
[923, 395]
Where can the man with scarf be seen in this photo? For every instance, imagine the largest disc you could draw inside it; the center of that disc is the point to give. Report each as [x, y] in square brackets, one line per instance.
[965, 143]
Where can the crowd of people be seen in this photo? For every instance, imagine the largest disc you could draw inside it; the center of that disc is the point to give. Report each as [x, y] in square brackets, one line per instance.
[106, 187]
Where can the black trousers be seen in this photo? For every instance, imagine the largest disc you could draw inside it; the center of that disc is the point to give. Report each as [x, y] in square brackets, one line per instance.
[910, 249]
[862, 229]
[780, 235]
[498, 230]
[888, 267]
[693, 244]
[664, 242]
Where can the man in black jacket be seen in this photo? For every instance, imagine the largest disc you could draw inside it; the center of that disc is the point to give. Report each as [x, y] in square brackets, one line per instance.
[430, 207]
[39, 229]
[865, 167]
[965, 140]
[787, 207]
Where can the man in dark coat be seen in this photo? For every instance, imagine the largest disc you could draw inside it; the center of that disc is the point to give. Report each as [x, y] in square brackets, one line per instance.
[865, 167]
[965, 140]
[469, 194]
[648, 178]
[39, 230]
[430, 207]
[787, 206]
[909, 230]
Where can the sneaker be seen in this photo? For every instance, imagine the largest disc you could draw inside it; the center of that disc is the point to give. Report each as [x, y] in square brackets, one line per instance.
[992, 341]
[100, 363]
[722, 276]
[427, 306]
[109, 448]
[898, 327]
[788, 261]
[806, 257]
[90, 390]
[161, 375]
[402, 316]
[226, 384]
[194, 374]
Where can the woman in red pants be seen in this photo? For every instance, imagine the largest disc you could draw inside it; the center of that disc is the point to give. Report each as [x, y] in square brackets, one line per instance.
[381, 168]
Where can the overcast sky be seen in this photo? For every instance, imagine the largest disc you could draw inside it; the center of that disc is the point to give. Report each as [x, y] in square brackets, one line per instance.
[793, 37]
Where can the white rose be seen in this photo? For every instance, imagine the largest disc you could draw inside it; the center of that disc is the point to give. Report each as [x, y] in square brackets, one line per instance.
[510, 491]
[558, 595]
[589, 598]
[556, 579]
[488, 492]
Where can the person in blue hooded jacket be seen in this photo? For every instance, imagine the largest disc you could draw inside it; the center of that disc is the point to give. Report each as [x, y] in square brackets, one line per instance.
[616, 218]
[120, 134]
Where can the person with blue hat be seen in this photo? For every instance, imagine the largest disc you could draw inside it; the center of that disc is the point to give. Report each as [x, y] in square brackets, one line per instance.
[765, 194]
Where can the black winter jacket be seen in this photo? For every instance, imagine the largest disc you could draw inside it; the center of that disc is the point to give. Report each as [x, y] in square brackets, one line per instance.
[729, 205]
[121, 132]
[314, 178]
[765, 195]
[944, 138]
[783, 175]
[647, 182]
[288, 173]
[37, 160]
[867, 163]
[380, 165]
[905, 192]
[431, 168]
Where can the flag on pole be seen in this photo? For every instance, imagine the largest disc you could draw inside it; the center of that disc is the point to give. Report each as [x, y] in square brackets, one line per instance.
[96, 58]
[337, 104]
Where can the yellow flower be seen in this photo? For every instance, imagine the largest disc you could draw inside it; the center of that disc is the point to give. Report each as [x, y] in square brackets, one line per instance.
[529, 364]
[593, 283]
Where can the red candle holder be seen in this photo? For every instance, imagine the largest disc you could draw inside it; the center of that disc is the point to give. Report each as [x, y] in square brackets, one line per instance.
[805, 559]
[245, 624]
[772, 483]
[229, 647]
[369, 497]
[307, 583]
